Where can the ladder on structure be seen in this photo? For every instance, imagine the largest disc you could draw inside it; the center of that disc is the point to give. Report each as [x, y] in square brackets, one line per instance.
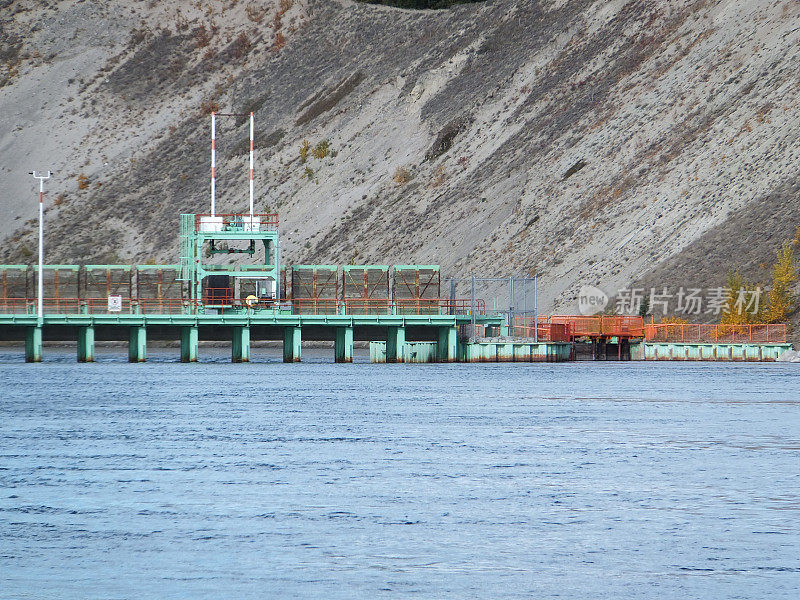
[187, 247]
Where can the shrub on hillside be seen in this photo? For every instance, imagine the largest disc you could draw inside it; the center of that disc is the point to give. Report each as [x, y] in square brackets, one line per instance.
[322, 149]
[402, 175]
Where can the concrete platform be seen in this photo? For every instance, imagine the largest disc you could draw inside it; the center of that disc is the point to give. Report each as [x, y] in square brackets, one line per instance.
[482, 351]
[708, 352]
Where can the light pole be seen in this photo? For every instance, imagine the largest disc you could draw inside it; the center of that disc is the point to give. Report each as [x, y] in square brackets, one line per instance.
[41, 179]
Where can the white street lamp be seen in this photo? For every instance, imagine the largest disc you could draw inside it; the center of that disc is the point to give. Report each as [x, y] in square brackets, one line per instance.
[41, 179]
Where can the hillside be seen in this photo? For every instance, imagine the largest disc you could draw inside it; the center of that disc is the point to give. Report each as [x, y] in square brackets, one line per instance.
[596, 142]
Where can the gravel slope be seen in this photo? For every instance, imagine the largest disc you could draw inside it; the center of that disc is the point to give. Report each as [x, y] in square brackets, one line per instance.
[598, 142]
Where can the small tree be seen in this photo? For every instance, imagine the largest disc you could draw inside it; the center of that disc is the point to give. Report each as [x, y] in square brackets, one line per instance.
[304, 149]
[322, 149]
[644, 307]
[781, 300]
[734, 311]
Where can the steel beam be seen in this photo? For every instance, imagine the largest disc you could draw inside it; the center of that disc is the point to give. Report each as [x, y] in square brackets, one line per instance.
[86, 344]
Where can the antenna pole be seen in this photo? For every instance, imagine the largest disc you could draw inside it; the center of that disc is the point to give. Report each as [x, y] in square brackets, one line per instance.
[39, 313]
[251, 168]
[213, 161]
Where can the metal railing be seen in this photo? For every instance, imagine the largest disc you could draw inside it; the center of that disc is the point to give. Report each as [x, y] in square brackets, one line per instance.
[540, 330]
[380, 306]
[763, 333]
[218, 297]
[95, 306]
[231, 222]
[223, 300]
[601, 325]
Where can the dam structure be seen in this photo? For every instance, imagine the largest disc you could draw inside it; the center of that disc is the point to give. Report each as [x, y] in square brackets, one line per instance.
[197, 299]
[228, 284]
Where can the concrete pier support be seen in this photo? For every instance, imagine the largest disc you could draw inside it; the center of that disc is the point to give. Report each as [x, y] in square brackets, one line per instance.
[240, 349]
[86, 344]
[137, 345]
[33, 344]
[189, 344]
[344, 344]
[395, 344]
[448, 344]
[291, 344]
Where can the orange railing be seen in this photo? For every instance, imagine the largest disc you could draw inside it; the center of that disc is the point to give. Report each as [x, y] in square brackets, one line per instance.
[381, 306]
[230, 222]
[580, 326]
[438, 306]
[17, 306]
[223, 299]
[94, 306]
[764, 333]
[367, 306]
[541, 329]
[546, 328]
[166, 306]
[592, 326]
[218, 296]
[315, 306]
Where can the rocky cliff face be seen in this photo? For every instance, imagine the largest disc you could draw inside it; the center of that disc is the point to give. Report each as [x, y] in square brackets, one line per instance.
[596, 142]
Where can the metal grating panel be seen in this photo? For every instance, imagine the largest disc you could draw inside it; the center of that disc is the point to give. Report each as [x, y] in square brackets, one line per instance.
[315, 281]
[159, 282]
[365, 281]
[417, 281]
[59, 281]
[15, 281]
[102, 281]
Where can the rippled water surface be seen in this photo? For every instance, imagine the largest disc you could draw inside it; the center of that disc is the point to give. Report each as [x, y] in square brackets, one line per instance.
[318, 480]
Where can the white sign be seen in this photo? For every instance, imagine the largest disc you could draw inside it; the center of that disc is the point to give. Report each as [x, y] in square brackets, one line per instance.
[114, 303]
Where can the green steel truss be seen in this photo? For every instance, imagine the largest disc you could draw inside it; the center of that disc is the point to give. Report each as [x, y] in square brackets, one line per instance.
[197, 239]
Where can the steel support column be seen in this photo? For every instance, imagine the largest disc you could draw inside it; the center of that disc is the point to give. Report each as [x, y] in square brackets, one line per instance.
[189, 344]
[344, 344]
[291, 344]
[240, 349]
[33, 344]
[448, 344]
[86, 344]
[137, 345]
[395, 344]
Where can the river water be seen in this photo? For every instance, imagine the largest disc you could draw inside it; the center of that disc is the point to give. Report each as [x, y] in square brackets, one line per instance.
[318, 480]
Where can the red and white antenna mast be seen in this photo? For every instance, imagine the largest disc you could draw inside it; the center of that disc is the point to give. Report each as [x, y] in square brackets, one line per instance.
[213, 162]
[214, 158]
[251, 167]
